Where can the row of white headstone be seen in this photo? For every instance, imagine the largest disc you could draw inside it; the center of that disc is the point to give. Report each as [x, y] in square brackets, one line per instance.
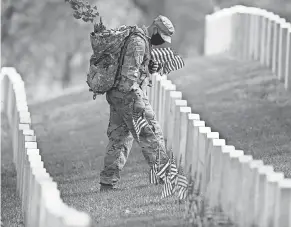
[41, 203]
[249, 192]
[252, 34]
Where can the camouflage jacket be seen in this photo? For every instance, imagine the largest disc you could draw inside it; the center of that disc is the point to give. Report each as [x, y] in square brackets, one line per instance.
[134, 72]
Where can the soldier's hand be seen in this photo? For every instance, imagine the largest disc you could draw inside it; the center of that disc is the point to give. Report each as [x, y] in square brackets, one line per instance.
[136, 92]
[137, 95]
[139, 106]
[153, 66]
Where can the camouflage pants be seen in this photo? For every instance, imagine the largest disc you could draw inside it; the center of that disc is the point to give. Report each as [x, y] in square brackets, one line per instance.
[121, 139]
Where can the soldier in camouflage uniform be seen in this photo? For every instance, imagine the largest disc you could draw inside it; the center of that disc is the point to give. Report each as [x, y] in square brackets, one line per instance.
[130, 95]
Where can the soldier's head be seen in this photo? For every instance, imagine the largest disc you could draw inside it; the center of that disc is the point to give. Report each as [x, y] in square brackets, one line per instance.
[161, 30]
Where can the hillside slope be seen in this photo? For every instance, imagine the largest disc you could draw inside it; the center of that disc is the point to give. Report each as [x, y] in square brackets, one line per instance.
[239, 99]
[71, 133]
[244, 102]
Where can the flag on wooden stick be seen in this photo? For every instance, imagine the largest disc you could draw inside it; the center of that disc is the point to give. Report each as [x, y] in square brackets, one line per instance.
[153, 174]
[163, 170]
[173, 171]
[181, 183]
[182, 186]
[139, 122]
[168, 188]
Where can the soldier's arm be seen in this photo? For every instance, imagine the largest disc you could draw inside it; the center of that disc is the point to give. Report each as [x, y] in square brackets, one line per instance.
[130, 70]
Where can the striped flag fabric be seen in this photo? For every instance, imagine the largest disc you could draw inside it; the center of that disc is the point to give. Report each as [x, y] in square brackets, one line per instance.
[168, 188]
[173, 170]
[181, 186]
[153, 174]
[158, 172]
[139, 122]
[170, 60]
[174, 65]
[182, 181]
[163, 170]
[182, 193]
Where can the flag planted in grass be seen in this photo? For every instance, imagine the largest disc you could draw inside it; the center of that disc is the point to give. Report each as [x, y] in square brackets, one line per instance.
[157, 171]
[173, 170]
[163, 170]
[174, 180]
[153, 174]
[180, 180]
[168, 187]
[181, 185]
[168, 173]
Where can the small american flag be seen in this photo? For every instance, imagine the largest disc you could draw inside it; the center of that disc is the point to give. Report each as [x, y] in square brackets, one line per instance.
[174, 65]
[170, 60]
[173, 170]
[139, 122]
[168, 188]
[182, 181]
[181, 186]
[163, 170]
[153, 174]
[182, 193]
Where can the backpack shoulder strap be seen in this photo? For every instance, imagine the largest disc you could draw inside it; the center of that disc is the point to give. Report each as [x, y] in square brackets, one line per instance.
[133, 31]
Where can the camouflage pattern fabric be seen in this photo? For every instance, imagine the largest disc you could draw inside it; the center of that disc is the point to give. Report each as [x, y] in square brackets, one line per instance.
[121, 139]
[122, 103]
[134, 71]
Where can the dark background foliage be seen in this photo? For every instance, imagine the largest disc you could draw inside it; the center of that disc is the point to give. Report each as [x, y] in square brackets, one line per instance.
[51, 49]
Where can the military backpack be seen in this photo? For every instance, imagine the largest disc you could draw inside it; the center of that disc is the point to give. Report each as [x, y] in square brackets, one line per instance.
[109, 47]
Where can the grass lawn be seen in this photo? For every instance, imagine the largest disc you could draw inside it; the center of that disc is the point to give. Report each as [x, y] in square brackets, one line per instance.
[242, 101]
[71, 133]
[239, 99]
